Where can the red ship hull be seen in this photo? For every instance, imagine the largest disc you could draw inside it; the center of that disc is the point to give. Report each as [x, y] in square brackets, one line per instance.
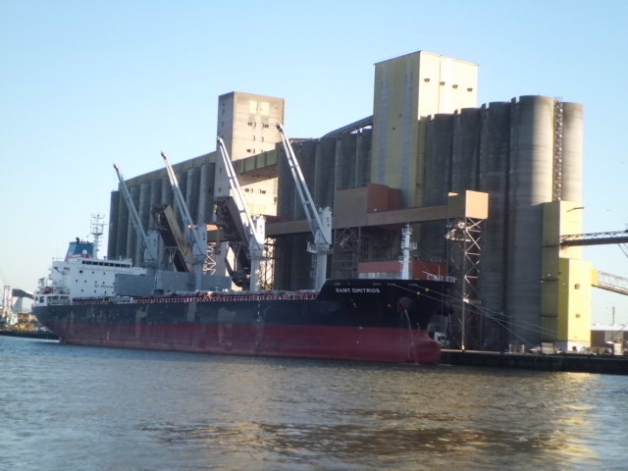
[366, 320]
[335, 342]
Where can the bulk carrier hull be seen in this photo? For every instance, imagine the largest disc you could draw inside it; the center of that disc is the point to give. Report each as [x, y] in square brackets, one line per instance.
[365, 320]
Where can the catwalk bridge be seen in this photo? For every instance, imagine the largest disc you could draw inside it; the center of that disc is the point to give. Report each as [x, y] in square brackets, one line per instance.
[602, 280]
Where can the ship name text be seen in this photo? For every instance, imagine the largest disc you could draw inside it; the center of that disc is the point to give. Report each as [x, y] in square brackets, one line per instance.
[357, 290]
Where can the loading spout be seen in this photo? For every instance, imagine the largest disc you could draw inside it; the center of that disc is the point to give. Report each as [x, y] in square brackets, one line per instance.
[196, 234]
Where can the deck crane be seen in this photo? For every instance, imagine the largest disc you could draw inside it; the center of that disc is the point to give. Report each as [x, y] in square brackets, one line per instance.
[254, 229]
[150, 241]
[195, 233]
[319, 220]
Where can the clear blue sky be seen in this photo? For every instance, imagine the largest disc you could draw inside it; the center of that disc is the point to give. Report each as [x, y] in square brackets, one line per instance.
[84, 84]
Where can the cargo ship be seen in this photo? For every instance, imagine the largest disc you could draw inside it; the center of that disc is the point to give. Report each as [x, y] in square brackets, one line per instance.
[87, 300]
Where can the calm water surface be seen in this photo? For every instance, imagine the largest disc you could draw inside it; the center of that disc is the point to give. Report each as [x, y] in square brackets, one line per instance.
[81, 408]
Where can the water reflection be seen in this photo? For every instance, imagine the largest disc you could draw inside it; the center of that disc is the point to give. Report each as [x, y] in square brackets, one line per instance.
[118, 409]
[484, 419]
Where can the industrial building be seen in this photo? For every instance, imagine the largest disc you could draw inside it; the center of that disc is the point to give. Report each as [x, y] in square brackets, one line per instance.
[485, 193]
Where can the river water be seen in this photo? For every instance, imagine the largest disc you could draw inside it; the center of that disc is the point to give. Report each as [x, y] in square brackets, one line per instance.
[81, 408]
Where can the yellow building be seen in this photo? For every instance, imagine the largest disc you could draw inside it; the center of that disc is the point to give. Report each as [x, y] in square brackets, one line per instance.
[566, 282]
[408, 88]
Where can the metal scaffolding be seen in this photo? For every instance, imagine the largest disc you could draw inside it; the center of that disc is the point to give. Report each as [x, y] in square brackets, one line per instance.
[465, 250]
[346, 252]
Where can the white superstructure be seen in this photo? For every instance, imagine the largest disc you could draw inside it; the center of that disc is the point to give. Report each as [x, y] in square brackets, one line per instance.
[80, 275]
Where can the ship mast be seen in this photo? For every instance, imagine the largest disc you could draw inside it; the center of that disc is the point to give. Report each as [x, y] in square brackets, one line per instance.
[97, 225]
[406, 248]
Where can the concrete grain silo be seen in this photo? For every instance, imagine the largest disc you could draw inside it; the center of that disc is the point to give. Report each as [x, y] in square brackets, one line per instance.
[114, 221]
[493, 179]
[572, 152]
[143, 208]
[204, 206]
[155, 198]
[524, 154]
[325, 182]
[427, 139]
[131, 236]
[438, 159]
[166, 189]
[465, 150]
[436, 182]
[191, 195]
[353, 159]
[292, 258]
[407, 89]
[530, 185]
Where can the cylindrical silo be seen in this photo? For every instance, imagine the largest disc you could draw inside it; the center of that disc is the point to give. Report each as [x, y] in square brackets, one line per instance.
[436, 184]
[493, 179]
[530, 184]
[305, 153]
[325, 183]
[122, 222]
[465, 150]
[345, 161]
[166, 190]
[363, 158]
[131, 236]
[143, 208]
[291, 254]
[203, 196]
[155, 199]
[114, 214]
[352, 160]
[182, 180]
[572, 152]
[437, 177]
[192, 176]
[287, 204]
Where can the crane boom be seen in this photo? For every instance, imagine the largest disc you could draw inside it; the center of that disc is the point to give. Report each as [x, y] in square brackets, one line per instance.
[319, 220]
[149, 243]
[196, 234]
[254, 230]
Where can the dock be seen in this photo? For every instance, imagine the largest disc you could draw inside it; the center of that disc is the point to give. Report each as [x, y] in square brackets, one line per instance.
[30, 334]
[569, 362]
